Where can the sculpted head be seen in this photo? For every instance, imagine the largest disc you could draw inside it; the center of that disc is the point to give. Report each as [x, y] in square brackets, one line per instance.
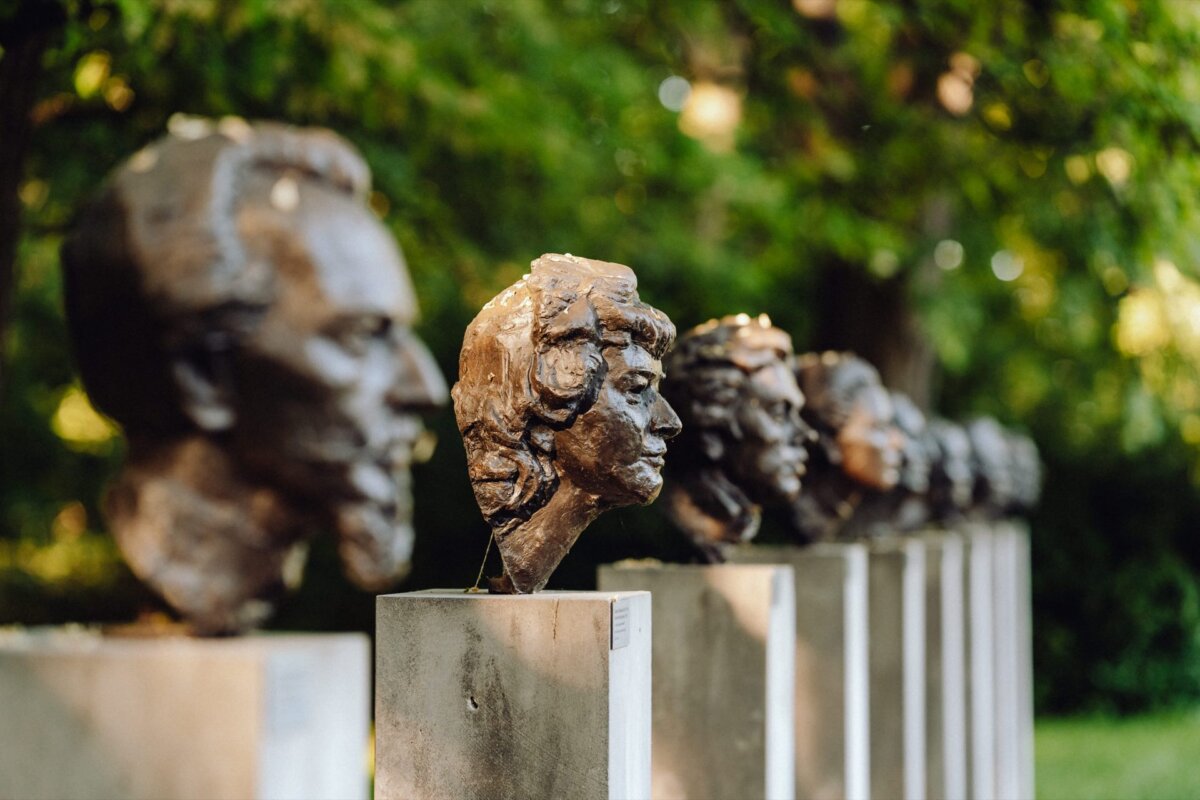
[558, 404]
[732, 383]
[853, 415]
[992, 458]
[952, 478]
[742, 444]
[231, 288]
[915, 463]
[1027, 472]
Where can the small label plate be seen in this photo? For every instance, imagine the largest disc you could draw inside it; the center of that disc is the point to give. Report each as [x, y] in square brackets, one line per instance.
[620, 623]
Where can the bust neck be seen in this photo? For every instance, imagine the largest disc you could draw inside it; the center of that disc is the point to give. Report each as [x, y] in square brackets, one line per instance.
[711, 510]
[217, 547]
[533, 549]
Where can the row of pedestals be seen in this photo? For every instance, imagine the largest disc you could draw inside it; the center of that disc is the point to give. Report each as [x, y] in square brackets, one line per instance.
[894, 669]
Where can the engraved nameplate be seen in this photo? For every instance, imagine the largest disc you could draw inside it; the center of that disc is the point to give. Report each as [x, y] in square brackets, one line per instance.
[620, 624]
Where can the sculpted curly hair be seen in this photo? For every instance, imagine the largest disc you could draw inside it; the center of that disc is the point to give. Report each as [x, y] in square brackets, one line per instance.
[705, 373]
[531, 370]
[831, 382]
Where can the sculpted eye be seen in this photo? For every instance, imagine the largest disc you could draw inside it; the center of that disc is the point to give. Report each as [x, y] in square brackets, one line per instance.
[635, 388]
[357, 335]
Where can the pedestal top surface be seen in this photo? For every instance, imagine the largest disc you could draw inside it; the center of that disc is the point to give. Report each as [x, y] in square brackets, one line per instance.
[71, 639]
[558, 595]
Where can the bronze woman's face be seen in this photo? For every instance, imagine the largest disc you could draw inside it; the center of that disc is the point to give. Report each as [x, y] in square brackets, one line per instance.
[871, 446]
[615, 449]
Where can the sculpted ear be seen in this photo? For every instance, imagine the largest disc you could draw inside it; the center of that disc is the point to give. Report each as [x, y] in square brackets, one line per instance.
[564, 379]
[205, 387]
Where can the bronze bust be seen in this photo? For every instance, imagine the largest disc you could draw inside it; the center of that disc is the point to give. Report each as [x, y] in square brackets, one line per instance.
[857, 449]
[906, 506]
[558, 405]
[951, 475]
[238, 309]
[995, 480]
[732, 383]
[1027, 472]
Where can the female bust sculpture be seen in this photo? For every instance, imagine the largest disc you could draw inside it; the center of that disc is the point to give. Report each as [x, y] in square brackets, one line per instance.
[858, 448]
[558, 405]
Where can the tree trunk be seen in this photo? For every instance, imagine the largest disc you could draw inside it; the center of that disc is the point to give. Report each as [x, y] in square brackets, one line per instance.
[875, 319]
[25, 37]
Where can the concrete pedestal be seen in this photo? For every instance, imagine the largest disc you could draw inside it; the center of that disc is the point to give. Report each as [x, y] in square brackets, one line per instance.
[896, 646]
[1012, 627]
[832, 740]
[724, 677]
[512, 696]
[981, 688]
[1023, 561]
[945, 665]
[86, 716]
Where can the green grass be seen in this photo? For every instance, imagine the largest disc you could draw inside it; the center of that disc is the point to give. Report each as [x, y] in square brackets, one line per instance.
[1154, 757]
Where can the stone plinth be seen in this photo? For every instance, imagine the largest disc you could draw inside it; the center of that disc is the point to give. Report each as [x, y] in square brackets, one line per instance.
[88, 716]
[1013, 651]
[724, 673]
[896, 645]
[512, 696]
[832, 746]
[981, 687]
[1023, 568]
[945, 665]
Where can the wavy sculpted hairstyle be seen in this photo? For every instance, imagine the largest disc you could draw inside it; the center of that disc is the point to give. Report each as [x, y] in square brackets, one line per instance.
[705, 374]
[532, 361]
[831, 383]
[156, 270]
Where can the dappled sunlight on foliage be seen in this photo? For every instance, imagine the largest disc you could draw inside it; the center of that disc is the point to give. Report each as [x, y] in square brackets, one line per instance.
[1012, 171]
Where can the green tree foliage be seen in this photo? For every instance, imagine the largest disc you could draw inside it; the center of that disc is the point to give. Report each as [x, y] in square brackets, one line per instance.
[1021, 173]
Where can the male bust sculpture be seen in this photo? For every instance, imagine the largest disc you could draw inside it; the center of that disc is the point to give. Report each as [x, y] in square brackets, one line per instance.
[732, 383]
[951, 476]
[995, 481]
[557, 401]
[1027, 472]
[238, 309]
[858, 447]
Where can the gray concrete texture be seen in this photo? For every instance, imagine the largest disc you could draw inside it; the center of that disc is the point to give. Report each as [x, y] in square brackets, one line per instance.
[896, 647]
[724, 673]
[86, 716]
[945, 663]
[831, 695]
[513, 696]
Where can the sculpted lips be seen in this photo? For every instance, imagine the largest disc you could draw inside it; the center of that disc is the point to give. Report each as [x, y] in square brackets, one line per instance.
[655, 455]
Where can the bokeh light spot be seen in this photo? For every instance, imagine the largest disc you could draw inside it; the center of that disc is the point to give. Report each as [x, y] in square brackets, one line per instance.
[673, 92]
[948, 254]
[1007, 266]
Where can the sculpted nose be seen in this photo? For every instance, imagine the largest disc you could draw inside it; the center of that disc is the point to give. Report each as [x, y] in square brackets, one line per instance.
[663, 419]
[419, 383]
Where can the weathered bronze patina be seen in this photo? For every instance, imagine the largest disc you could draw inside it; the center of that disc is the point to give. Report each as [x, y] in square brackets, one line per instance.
[858, 448]
[557, 401]
[732, 383]
[238, 309]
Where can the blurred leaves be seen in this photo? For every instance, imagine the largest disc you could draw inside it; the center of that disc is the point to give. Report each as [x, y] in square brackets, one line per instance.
[1017, 168]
